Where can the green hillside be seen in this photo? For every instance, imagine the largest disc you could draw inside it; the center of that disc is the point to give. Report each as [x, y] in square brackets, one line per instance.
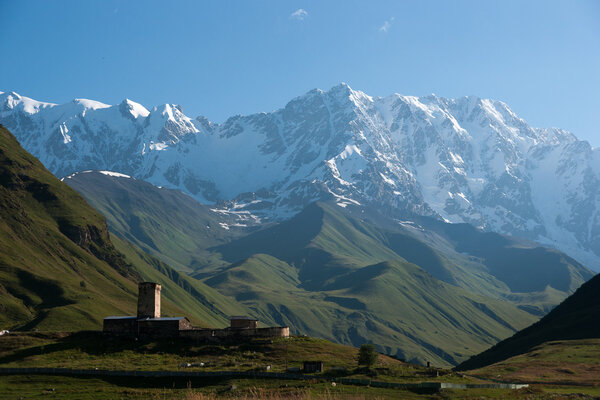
[557, 362]
[189, 236]
[324, 241]
[345, 279]
[395, 304]
[59, 268]
[574, 318]
[416, 289]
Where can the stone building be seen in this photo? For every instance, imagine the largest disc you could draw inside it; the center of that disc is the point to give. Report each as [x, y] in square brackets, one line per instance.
[312, 366]
[149, 324]
[148, 300]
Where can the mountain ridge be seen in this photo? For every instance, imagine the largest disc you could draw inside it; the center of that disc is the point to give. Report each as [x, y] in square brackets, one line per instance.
[461, 160]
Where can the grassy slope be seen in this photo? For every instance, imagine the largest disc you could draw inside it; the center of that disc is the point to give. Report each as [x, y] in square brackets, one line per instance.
[321, 286]
[50, 241]
[574, 318]
[564, 361]
[92, 350]
[59, 269]
[396, 305]
[89, 350]
[523, 265]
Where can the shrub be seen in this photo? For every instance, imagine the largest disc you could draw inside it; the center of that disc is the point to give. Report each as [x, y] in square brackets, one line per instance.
[367, 355]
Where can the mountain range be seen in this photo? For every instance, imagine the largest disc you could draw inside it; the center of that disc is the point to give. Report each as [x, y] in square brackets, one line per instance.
[467, 160]
[424, 291]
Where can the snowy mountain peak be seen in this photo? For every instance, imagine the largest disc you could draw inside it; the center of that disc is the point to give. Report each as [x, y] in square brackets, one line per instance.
[342, 89]
[14, 101]
[136, 110]
[170, 111]
[339, 95]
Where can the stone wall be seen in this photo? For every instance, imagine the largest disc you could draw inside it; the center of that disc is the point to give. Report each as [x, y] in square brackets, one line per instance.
[159, 328]
[120, 326]
[221, 335]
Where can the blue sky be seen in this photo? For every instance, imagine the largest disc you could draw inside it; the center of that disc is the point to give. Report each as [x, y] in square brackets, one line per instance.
[238, 57]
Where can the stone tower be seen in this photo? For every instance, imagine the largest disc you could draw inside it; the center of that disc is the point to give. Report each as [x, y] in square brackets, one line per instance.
[149, 300]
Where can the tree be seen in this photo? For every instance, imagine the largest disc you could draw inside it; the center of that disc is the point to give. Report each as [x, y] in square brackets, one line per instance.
[367, 355]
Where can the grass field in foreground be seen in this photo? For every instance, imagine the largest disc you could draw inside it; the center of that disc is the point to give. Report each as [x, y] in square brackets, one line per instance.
[66, 388]
[88, 350]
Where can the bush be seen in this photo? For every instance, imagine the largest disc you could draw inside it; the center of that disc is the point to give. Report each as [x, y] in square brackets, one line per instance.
[367, 355]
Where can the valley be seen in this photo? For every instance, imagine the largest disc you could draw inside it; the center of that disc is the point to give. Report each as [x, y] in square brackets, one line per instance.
[423, 290]
[327, 271]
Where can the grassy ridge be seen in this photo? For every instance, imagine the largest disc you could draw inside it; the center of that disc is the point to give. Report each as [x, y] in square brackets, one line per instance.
[522, 265]
[165, 223]
[321, 287]
[395, 304]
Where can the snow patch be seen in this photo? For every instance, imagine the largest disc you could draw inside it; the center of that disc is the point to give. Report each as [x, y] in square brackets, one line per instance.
[64, 132]
[160, 146]
[115, 174]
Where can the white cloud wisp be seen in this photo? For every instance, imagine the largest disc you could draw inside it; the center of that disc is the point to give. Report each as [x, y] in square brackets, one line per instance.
[299, 14]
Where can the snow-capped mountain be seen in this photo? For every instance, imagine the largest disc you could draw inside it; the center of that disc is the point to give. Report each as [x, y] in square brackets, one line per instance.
[464, 160]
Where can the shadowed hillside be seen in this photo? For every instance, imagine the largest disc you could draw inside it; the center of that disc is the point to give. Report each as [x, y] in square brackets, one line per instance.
[575, 318]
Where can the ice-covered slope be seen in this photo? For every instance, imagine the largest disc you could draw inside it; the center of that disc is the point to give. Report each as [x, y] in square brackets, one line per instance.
[464, 160]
